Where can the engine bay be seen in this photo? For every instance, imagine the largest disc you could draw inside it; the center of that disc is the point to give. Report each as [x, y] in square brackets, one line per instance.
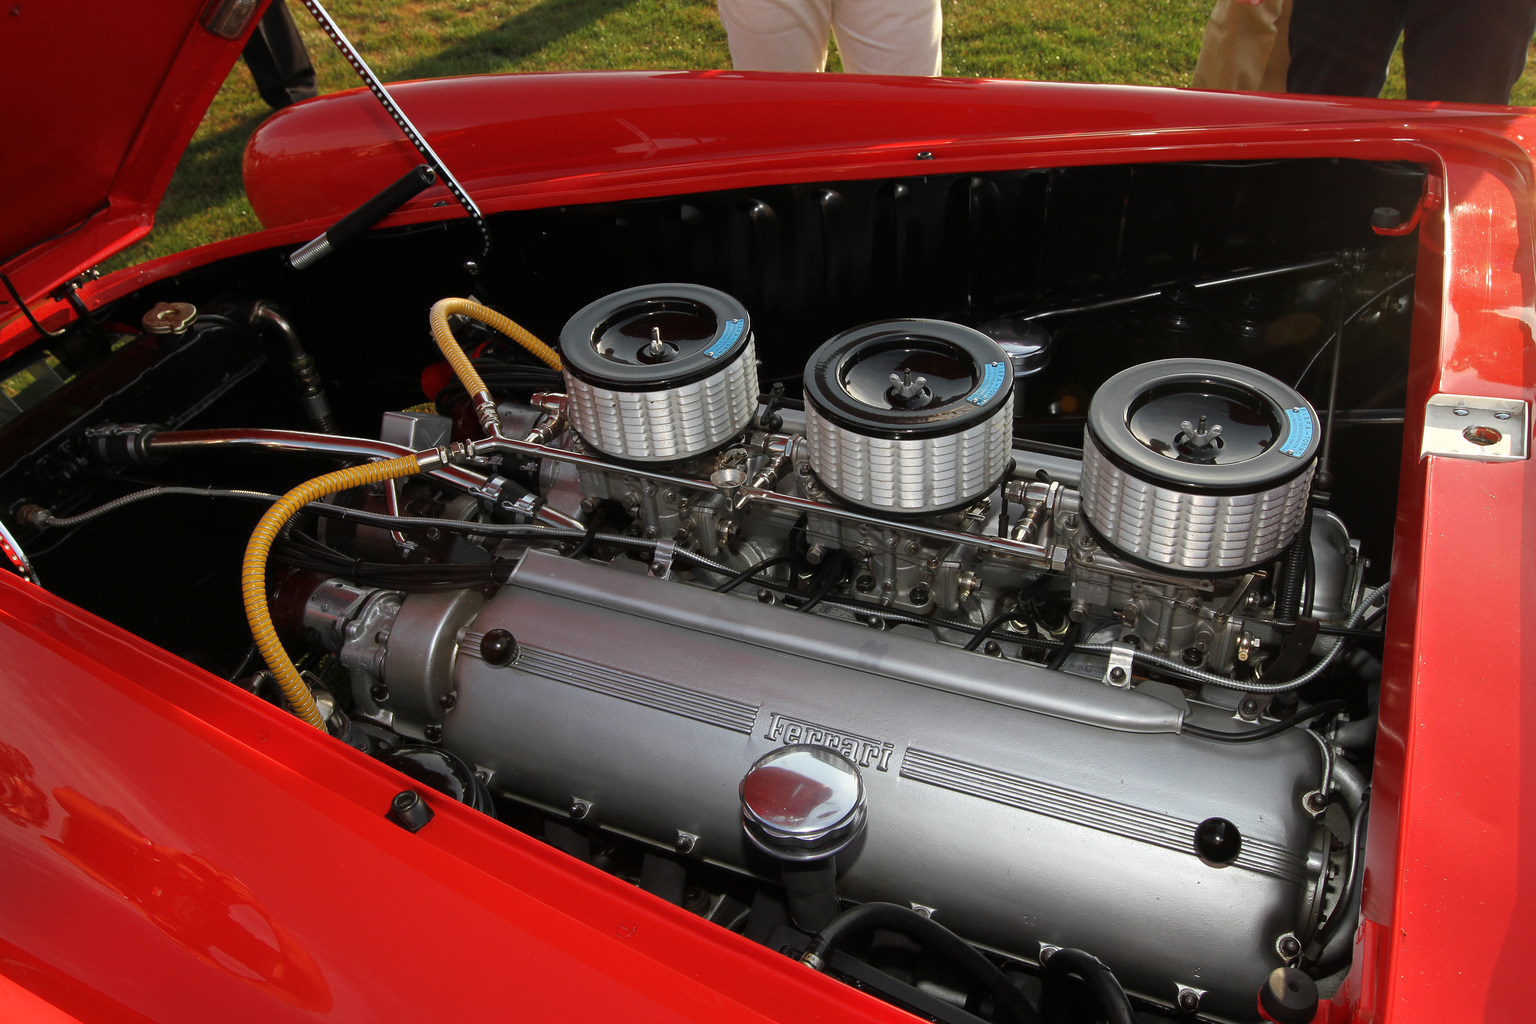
[1008, 548]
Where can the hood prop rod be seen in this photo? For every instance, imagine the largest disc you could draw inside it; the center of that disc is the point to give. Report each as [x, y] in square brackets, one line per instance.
[364, 217]
[347, 50]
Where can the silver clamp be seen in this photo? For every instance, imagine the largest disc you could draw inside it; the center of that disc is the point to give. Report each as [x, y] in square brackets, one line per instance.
[1122, 659]
[661, 561]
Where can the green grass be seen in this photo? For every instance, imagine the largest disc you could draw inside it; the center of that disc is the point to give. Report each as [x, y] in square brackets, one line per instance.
[1142, 42]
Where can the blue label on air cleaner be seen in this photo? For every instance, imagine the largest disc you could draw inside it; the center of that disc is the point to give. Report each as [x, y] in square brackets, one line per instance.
[991, 384]
[727, 338]
[1300, 438]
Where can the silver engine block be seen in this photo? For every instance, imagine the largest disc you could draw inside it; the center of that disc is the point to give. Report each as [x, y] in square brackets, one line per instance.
[1021, 806]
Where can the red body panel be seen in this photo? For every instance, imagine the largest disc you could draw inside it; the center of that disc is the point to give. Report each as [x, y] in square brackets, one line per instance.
[243, 802]
[106, 97]
[580, 137]
[158, 825]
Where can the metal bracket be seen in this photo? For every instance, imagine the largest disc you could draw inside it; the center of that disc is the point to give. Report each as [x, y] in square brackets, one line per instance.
[1121, 660]
[661, 561]
[1474, 427]
[1189, 997]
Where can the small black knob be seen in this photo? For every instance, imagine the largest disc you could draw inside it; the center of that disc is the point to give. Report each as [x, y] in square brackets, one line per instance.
[497, 647]
[1218, 841]
[409, 810]
[1385, 217]
[1288, 997]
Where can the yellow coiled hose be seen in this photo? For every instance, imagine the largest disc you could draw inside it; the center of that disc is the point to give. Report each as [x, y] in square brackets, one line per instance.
[253, 574]
[462, 367]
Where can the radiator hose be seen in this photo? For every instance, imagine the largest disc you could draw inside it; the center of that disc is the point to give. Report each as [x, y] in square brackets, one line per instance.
[253, 573]
[930, 935]
[1102, 985]
[479, 394]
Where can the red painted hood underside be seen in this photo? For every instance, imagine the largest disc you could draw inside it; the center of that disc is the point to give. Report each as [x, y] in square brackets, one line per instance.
[102, 99]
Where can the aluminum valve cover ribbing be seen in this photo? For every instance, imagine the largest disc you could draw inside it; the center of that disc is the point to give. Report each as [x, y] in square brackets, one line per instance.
[1197, 465]
[909, 417]
[644, 704]
[660, 373]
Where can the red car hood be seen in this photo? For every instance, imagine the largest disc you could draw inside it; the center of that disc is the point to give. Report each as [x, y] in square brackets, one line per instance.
[104, 98]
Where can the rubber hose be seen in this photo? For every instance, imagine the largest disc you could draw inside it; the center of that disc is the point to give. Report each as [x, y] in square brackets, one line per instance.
[930, 935]
[1338, 932]
[253, 573]
[1101, 982]
[462, 367]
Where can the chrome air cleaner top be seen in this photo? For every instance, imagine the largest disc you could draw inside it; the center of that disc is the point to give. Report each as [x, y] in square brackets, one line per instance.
[660, 373]
[909, 417]
[1197, 466]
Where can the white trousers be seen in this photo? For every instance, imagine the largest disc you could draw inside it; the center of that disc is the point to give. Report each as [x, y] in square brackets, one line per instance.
[874, 37]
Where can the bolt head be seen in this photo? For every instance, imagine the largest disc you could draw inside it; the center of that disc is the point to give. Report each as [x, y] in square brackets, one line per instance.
[448, 700]
[1117, 674]
[433, 733]
[379, 692]
[1289, 946]
[1189, 1000]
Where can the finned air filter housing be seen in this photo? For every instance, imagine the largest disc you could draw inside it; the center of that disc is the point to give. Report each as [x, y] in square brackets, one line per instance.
[909, 417]
[1197, 466]
[660, 373]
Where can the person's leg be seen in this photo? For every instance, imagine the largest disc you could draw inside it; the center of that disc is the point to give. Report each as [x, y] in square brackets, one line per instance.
[1470, 51]
[889, 37]
[1279, 54]
[777, 35]
[1239, 38]
[277, 58]
[1341, 47]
